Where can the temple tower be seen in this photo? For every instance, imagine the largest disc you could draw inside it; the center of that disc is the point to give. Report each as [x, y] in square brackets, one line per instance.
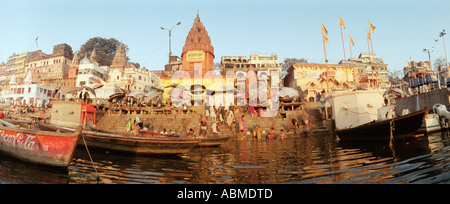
[119, 62]
[198, 53]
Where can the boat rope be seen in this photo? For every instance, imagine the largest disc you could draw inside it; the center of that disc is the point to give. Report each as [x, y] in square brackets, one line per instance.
[392, 141]
[90, 157]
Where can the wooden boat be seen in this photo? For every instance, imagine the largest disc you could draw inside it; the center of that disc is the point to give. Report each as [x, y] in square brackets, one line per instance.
[39, 147]
[142, 133]
[130, 144]
[404, 127]
[213, 141]
[204, 141]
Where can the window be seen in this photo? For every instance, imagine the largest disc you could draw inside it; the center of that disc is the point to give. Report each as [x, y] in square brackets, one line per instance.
[29, 89]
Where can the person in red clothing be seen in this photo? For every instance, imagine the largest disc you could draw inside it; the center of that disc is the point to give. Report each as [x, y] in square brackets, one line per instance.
[42, 115]
[1, 114]
[272, 135]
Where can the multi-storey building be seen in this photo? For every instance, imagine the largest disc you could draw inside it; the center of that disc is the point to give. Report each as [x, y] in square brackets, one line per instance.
[262, 64]
[51, 69]
[175, 64]
[27, 92]
[370, 70]
[90, 72]
[314, 78]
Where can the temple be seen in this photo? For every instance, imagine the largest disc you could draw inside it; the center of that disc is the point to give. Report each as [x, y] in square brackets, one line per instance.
[198, 53]
[119, 63]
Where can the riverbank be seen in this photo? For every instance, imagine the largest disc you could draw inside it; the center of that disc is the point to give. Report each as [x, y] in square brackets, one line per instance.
[168, 118]
[180, 123]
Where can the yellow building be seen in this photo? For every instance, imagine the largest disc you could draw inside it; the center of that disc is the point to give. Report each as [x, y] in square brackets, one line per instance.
[222, 85]
[312, 78]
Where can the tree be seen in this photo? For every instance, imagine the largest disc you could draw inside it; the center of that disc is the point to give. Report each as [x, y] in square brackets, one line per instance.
[439, 63]
[104, 49]
[395, 76]
[288, 62]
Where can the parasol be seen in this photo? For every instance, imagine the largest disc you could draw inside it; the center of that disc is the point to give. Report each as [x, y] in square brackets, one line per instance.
[287, 92]
[90, 89]
[137, 94]
[117, 96]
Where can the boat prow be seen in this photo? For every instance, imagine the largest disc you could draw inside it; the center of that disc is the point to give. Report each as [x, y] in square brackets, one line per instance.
[130, 144]
[39, 147]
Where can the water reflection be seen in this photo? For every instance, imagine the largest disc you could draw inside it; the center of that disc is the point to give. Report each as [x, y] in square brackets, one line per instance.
[320, 159]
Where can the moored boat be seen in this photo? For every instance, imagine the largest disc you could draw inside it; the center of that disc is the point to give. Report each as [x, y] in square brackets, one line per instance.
[213, 141]
[210, 141]
[130, 144]
[363, 115]
[403, 127]
[142, 133]
[38, 147]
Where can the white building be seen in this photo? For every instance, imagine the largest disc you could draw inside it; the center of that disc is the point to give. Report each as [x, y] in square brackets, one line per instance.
[90, 73]
[27, 93]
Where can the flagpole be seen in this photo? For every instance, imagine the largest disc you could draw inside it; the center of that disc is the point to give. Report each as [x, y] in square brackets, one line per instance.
[354, 67]
[368, 46]
[374, 64]
[343, 46]
[326, 61]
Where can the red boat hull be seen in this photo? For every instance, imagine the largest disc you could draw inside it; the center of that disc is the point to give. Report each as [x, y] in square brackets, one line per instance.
[39, 147]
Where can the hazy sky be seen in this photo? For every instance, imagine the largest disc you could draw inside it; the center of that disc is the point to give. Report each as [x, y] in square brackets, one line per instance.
[236, 27]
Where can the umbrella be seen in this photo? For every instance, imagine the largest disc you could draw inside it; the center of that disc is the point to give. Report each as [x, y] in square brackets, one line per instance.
[287, 92]
[197, 88]
[150, 96]
[171, 85]
[116, 96]
[177, 92]
[137, 94]
[97, 86]
[89, 89]
[151, 88]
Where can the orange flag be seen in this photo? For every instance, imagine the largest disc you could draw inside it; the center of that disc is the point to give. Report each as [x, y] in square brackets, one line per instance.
[351, 40]
[341, 21]
[325, 38]
[372, 28]
[368, 35]
[324, 30]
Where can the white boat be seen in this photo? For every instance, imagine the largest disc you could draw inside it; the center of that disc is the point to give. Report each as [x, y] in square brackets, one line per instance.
[363, 116]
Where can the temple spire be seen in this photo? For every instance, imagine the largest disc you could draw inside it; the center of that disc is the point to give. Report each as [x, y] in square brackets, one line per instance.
[75, 62]
[93, 55]
[120, 59]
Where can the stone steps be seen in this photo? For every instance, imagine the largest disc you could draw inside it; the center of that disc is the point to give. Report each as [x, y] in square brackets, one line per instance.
[180, 124]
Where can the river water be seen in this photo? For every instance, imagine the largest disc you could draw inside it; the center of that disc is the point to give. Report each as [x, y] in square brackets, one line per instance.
[315, 159]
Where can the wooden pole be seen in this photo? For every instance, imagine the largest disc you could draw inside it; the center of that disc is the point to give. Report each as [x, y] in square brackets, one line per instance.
[374, 64]
[368, 45]
[326, 61]
[343, 46]
[354, 67]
